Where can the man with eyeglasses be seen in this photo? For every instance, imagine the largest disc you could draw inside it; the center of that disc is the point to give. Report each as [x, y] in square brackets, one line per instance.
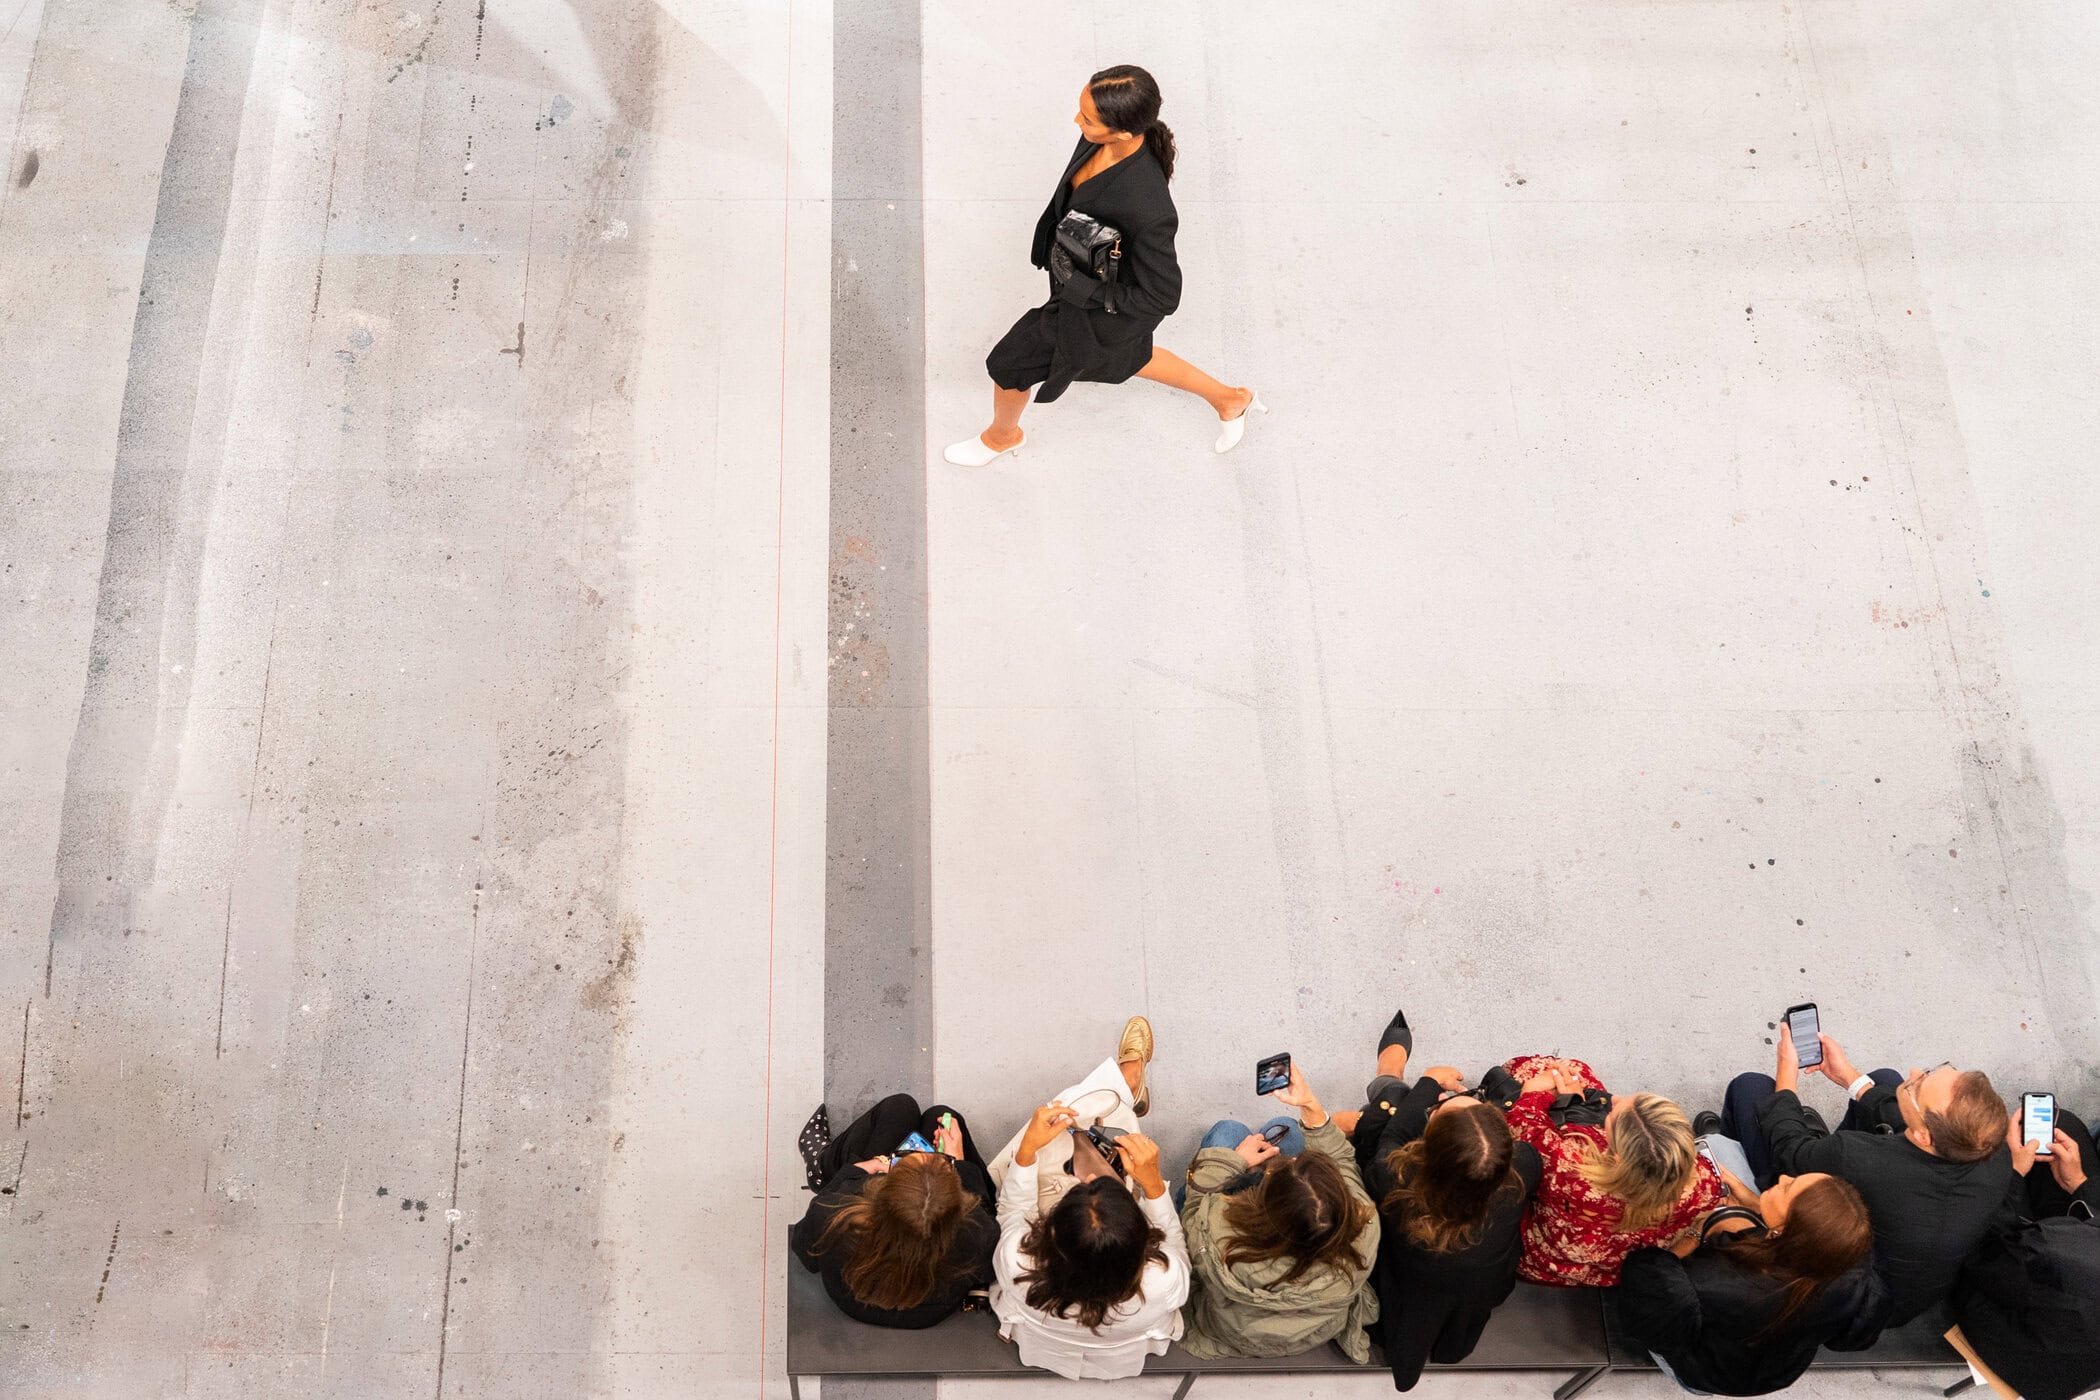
[1927, 1151]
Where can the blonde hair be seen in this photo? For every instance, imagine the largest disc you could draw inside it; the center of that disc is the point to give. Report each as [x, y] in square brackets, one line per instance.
[1649, 1163]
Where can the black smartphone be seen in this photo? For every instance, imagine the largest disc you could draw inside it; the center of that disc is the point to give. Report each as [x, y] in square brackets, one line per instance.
[1272, 1074]
[2038, 1122]
[1807, 1030]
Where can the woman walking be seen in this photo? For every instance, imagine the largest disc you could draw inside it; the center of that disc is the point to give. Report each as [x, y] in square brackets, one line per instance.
[1107, 241]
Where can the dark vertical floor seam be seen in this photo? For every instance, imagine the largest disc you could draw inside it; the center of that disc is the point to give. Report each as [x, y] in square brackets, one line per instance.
[877, 906]
[878, 974]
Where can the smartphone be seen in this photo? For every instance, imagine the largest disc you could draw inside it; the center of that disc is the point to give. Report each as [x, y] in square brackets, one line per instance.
[2038, 1122]
[914, 1143]
[1803, 1024]
[1272, 1074]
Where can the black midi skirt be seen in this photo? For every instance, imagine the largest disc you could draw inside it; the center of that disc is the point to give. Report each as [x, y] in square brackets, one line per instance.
[1057, 343]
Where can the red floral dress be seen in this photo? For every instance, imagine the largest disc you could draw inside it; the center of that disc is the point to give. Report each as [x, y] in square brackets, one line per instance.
[1571, 1234]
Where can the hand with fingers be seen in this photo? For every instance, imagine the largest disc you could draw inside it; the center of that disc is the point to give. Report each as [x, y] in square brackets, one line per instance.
[1141, 1159]
[2064, 1162]
[1043, 1125]
[948, 1137]
[1254, 1149]
[1299, 1095]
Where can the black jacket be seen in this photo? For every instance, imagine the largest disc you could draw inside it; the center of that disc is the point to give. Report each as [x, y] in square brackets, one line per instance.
[1707, 1316]
[1929, 1214]
[1130, 196]
[1432, 1306]
[969, 1261]
[2029, 1302]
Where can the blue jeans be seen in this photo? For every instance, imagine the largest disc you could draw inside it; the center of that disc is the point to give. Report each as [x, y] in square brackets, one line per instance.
[1229, 1133]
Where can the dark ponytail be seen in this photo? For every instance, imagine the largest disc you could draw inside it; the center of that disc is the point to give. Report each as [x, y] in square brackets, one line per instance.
[1128, 100]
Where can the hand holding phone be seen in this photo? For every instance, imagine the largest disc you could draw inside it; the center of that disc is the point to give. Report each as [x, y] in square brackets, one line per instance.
[1272, 1073]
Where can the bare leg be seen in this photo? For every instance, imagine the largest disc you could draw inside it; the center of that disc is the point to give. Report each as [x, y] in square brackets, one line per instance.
[1393, 1061]
[1006, 418]
[1166, 367]
[1133, 1074]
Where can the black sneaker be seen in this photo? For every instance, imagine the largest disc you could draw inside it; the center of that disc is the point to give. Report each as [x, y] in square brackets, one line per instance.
[815, 1137]
[1706, 1123]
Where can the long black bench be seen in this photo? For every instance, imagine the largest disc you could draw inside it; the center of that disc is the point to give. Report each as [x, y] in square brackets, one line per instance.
[1575, 1331]
[1538, 1329]
[1918, 1345]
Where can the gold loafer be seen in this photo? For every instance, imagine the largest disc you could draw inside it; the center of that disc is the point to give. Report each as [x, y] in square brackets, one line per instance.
[1136, 1044]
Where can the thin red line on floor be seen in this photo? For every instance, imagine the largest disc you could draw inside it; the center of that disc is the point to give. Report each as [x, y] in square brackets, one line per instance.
[765, 1159]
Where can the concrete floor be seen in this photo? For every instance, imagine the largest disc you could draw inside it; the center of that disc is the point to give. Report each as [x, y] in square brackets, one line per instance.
[1660, 594]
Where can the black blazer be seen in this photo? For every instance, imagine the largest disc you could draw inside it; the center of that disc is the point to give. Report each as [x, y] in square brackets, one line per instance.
[1130, 196]
[1433, 1307]
[1707, 1316]
[969, 1260]
[2029, 1302]
[1929, 1214]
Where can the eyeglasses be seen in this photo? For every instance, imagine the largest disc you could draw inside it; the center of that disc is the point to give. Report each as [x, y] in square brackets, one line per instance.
[1917, 1081]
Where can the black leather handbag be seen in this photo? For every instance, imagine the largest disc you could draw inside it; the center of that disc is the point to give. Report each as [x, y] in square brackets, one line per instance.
[1084, 244]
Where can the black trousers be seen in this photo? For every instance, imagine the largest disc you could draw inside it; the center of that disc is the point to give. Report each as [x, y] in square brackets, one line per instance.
[877, 1133]
[1739, 1118]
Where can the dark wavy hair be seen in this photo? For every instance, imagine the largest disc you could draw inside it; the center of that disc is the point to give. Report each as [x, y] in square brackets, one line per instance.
[1826, 1235]
[1301, 1211]
[900, 1231]
[1090, 1253]
[1448, 1179]
[1128, 100]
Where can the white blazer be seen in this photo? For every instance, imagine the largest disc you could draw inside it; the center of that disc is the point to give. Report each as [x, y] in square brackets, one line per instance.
[1140, 1327]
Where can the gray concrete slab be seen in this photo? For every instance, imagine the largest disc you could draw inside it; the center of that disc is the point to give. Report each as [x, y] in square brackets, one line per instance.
[1680, 424]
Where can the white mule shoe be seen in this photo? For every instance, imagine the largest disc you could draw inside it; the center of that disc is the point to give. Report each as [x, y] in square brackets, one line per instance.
[971, 452]
[1236, 428]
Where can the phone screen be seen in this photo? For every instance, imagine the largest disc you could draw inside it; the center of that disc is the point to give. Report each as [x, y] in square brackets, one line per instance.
[2038, 1122]
[1804, 1025]
[914, 1143]
[1272, 1074]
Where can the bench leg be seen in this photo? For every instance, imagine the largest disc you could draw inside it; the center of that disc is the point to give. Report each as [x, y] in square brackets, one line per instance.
[1579, 1382]
[1959, 1386]
[794, 1388]
[1188, 1379]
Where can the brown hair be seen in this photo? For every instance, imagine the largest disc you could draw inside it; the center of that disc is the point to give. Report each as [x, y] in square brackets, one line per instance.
[1973, 1125]
[1826, 1234]
[1302, 1210]
[1649, 1163]
[900, 1230]
[1090, 1253]
[1448, 1179]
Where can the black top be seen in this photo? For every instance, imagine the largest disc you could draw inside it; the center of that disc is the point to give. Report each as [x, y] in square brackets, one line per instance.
[1433, 1306]
[1929, 1214]
[2029, 1302]
[1707, 1316]
[969, 1261]
[1130, 196]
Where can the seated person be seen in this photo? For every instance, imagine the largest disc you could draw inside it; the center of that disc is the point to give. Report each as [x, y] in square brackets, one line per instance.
[1619, 1172]
[1740, 1306]
[2028, 1303]
[1282, 1241]
[1452, 1185]
[900, 1239]
[1934, 1189]
[1091, 1269]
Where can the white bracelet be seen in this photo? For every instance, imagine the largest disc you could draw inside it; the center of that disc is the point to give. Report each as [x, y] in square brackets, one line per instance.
[1859, 1086]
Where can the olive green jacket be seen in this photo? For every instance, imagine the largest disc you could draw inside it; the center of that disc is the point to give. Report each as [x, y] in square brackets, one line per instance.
[1238, 1309]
